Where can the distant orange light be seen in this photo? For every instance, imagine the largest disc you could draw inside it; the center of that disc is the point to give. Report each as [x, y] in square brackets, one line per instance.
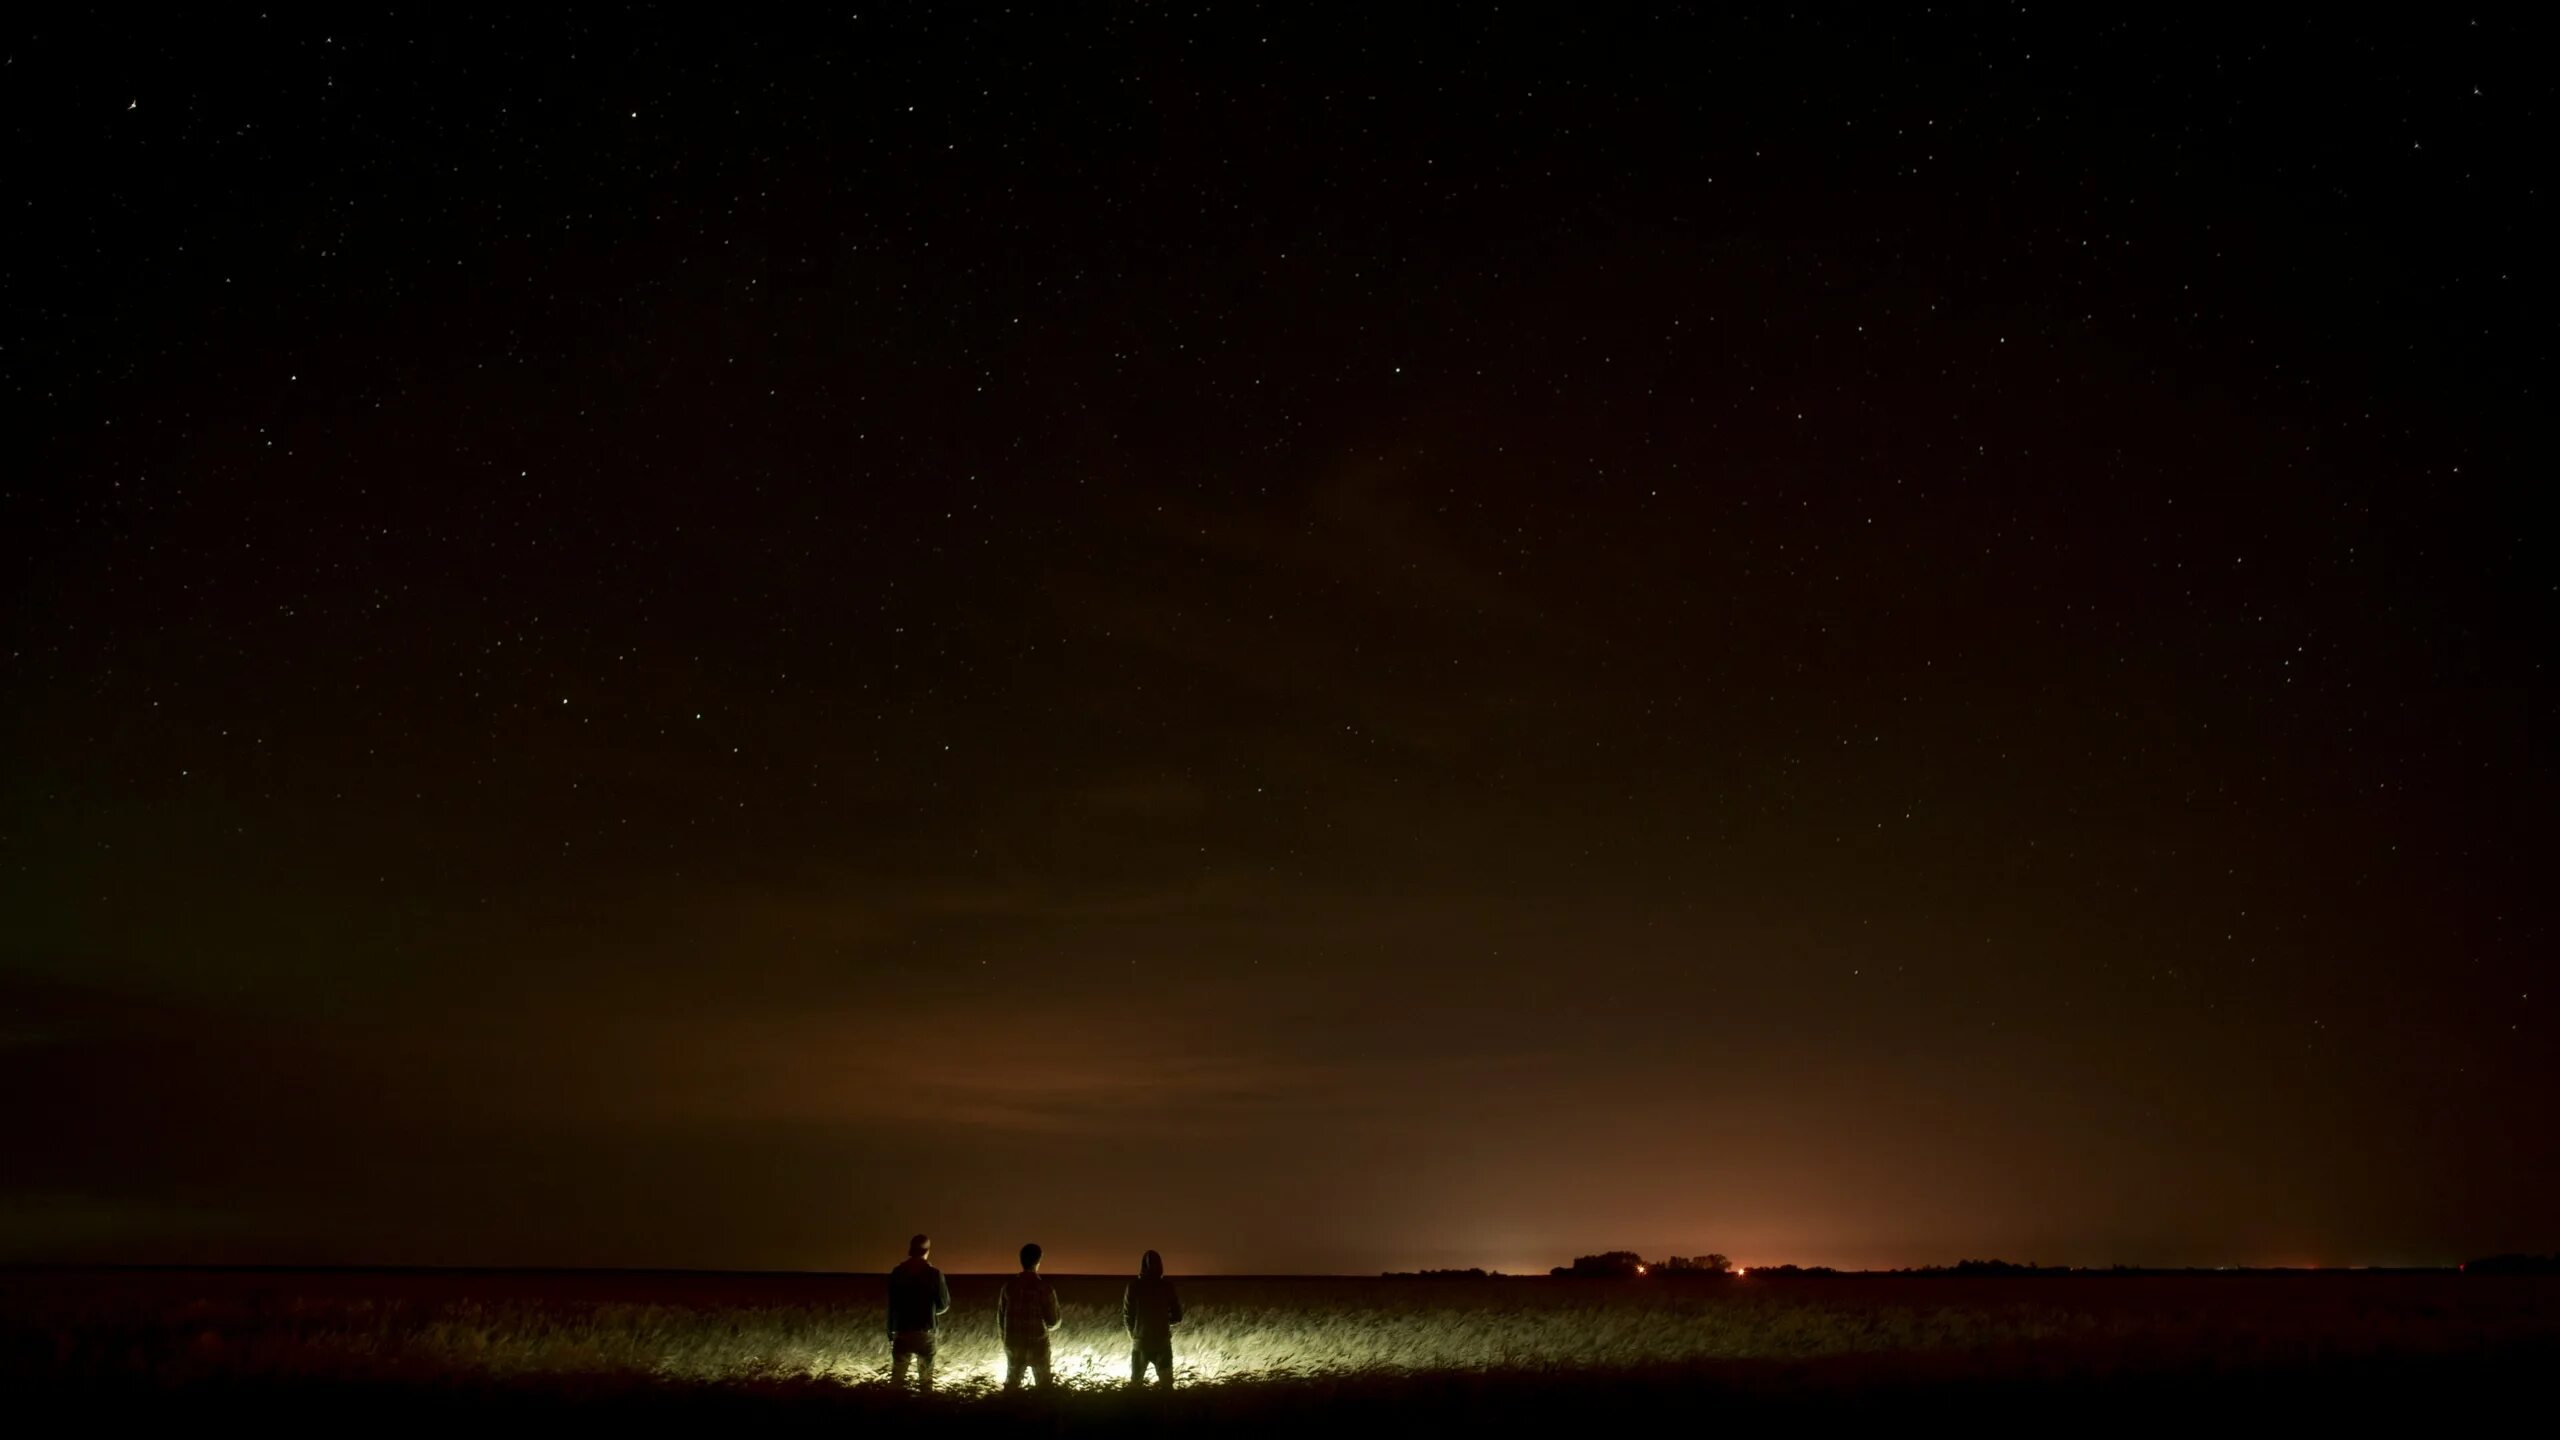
[1741, 1269]
[1639, 1269]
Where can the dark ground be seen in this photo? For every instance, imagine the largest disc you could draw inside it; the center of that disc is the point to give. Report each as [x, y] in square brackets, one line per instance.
[2436, 1394]
[2433, 1353]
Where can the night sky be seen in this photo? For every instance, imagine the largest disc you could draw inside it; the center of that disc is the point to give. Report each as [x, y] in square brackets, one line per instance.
[1317, 642]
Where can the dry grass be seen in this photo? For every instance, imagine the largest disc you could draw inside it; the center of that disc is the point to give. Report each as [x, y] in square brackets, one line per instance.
[176, 1330]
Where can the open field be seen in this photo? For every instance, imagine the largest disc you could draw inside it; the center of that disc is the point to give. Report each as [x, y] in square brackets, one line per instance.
[1269, 1350]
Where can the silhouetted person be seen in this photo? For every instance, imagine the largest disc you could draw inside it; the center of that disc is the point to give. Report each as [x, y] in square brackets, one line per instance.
[1026, 1311]
[917, 1297]
[1149, 1310]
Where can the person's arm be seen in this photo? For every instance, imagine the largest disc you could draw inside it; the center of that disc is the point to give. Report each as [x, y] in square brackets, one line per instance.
[1049, 1316]
[942, 1297]
[1172, 1304]
[1004, 1302]
[1129, 1307]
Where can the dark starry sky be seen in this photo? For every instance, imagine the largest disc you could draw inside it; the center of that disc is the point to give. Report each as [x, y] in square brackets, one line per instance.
[1319, 642]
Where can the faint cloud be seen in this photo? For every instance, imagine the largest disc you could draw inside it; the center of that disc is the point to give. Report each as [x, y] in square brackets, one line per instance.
[1061, 1074]
[868, 910]
[52, 1225]
[1068, 1071]
[1300, 611]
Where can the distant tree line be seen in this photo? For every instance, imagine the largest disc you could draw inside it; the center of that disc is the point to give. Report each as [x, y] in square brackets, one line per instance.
[2002, 1269]
[1627, 1264]
[2513, 1265]
[1607, 1265]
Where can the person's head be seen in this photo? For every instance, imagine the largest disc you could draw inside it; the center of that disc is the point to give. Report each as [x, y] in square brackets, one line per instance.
[1030, 1257]
[1151, 1266]
[920, 1246]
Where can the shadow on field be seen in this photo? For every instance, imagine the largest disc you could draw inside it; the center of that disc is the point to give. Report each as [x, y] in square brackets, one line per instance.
[2433, 1391]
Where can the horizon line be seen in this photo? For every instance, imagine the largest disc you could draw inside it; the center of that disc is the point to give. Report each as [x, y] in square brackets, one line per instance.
[1743, 1271]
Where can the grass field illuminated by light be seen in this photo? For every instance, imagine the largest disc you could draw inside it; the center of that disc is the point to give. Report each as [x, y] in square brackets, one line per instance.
[517, 1330]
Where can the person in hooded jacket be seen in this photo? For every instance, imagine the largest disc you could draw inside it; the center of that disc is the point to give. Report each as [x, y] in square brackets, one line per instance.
[918, 1296]
[1149, 1310]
